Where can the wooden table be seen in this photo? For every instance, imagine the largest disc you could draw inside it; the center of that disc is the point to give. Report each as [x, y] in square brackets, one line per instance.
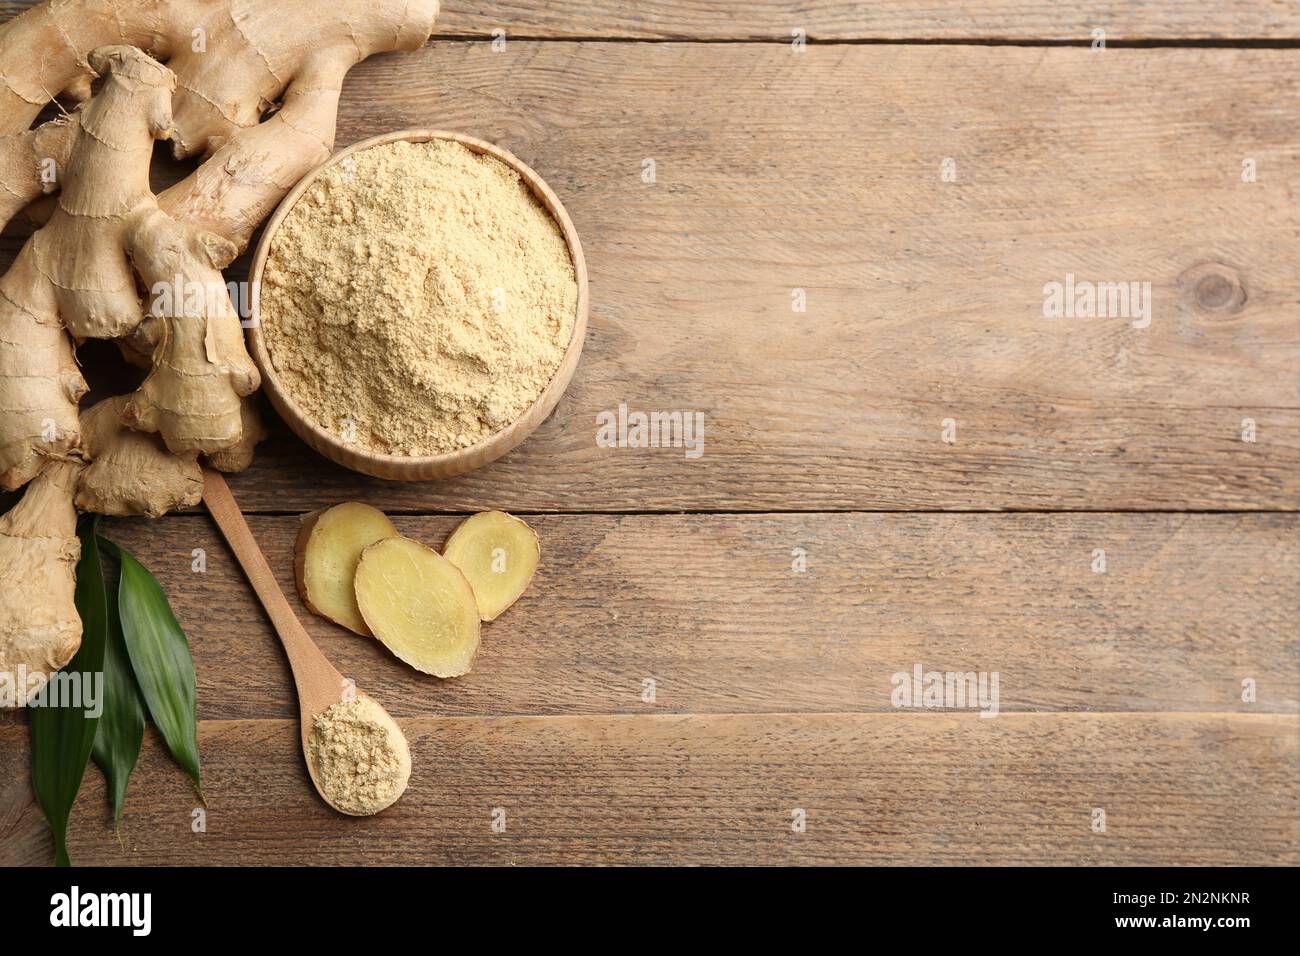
[840, 261]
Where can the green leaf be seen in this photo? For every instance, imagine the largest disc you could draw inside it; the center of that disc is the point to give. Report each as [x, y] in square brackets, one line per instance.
[160, 658]
[62, 736]
[121, 726]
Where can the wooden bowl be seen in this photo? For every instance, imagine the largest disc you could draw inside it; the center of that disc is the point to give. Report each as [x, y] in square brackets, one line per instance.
[401, 467]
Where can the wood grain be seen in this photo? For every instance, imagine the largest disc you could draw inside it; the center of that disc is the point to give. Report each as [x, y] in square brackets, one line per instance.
[821, 171]
[877, 788]
[850, 20]
[709, 608]
[882, 19]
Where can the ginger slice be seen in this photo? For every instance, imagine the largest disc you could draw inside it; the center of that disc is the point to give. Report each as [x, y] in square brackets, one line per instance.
[498, 553]
[419, 605]
[329, 547]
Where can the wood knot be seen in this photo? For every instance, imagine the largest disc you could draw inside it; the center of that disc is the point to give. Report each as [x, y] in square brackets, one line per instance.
[1213, 287]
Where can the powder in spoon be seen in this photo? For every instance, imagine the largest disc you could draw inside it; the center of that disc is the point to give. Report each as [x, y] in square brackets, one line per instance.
[417, 298]
[359, 756]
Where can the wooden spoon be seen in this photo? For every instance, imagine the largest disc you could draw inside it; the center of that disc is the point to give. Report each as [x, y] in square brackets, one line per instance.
[320, 685]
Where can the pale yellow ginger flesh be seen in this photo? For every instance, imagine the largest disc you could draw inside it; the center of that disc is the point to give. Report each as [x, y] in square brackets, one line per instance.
[359, 757]
[419, 605]
[40, 629]
[498, 554]
[329, 546]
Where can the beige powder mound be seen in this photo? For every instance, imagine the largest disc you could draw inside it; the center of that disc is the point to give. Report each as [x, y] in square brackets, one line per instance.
[417, 298]
[359, 756]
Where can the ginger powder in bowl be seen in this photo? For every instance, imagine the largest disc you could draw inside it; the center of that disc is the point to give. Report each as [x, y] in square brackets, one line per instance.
[419, 305]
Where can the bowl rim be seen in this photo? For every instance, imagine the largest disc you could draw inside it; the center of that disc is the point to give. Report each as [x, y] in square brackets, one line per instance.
[460, 460]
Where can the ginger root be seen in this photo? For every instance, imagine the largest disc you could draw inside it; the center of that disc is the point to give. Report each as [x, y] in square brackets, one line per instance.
[73, 272]
[419, 605]
[40, 385]
[76, 270]
[132, 473]
[40, 629]
[498, 554]
[329, 546]
[201, 370]
[234, 61]
[81, 252]
[240, 455]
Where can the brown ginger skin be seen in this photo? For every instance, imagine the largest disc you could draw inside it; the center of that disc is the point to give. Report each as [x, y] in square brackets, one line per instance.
[131, 472]
[201, 368]
[240, 455]
[30, 163]
[40, 383]
[40, 629]
[82, 250]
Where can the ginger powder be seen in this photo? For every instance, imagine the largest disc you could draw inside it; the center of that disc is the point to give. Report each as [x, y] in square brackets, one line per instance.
[417, 298]
[359, 756]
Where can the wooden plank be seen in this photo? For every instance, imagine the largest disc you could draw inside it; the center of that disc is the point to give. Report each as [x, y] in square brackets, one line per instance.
[924, 297]
[709, 608]
[821, 172]
[890, 19]
[877, 789]
[848, 20]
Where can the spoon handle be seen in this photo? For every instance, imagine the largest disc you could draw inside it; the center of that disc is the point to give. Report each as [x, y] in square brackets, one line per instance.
[319, 683]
